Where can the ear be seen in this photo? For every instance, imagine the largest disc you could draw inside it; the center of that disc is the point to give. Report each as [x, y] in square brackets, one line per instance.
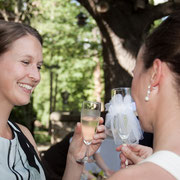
[157, 72]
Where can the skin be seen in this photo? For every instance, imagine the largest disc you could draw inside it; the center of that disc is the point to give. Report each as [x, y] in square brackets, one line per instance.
[159, 115]
[135, 153]
[100, 162]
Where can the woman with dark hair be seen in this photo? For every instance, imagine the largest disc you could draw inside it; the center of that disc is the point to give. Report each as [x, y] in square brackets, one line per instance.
[156, 91]
[20, 63]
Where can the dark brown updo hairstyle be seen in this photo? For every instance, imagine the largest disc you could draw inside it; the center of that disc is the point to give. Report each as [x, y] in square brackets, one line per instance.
[11, 31]
[164, 43]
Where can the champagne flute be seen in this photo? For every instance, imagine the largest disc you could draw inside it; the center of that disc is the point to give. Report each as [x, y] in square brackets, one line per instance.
[121, 120]
[90, 115]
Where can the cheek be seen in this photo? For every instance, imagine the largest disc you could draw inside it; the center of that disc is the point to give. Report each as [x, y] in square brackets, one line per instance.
[134, 88]
[19, 72]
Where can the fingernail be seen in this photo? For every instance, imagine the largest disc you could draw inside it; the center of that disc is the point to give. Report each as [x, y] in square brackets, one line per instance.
[95, 136]
[124, 149]
[100, 128]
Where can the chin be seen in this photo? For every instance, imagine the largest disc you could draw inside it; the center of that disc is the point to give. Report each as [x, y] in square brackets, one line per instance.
[22, 103]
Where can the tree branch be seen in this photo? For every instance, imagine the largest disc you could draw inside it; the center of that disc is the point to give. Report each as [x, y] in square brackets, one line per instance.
[4, 14]
[90, 6]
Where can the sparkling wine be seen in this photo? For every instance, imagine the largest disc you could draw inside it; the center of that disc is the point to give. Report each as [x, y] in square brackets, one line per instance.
[89, 125]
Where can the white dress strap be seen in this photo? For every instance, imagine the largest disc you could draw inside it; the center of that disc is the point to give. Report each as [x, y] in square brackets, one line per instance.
[166, 160]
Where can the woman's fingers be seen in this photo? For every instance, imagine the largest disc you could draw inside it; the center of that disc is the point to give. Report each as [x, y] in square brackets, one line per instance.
[142, 151]
[100, 134]
[123, 160]
[101, 128]
[101, 120]
[130, 155]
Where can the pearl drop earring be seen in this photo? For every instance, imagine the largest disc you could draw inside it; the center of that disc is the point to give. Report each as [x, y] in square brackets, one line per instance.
[148, 93]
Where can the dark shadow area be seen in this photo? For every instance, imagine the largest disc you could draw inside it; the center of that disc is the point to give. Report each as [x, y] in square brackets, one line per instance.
[54, 159]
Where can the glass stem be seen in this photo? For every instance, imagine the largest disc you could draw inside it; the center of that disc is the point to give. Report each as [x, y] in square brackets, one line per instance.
[125, 144]
[87, 153]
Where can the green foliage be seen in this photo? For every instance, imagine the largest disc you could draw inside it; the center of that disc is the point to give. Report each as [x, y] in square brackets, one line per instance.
[69, 47]
[155, 24]
[18, 10]
[24, 115]
[151, 2]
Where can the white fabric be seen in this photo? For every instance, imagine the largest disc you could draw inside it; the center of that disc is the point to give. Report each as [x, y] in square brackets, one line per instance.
[121, 119]
[13, 161]
[166, 160]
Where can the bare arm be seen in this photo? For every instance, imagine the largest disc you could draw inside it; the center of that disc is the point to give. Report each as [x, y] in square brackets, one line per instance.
[100, 162]
[144, 171]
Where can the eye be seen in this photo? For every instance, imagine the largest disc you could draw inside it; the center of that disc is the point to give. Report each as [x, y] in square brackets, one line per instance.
[39, 67]
[26, 62]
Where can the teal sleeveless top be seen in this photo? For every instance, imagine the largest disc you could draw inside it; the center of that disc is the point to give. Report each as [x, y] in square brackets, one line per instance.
[18, 159]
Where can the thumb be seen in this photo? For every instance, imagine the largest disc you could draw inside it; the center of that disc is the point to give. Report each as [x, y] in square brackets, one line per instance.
[130, 155]
[77, 131]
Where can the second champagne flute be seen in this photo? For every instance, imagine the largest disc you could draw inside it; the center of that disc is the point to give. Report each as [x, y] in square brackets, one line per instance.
[90, 115]
[121, 120]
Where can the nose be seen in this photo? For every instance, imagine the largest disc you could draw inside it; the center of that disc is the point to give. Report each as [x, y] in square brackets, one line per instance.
[34, 74]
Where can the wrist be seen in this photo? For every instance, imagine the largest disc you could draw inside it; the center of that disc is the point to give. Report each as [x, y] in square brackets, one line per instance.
[74, 161]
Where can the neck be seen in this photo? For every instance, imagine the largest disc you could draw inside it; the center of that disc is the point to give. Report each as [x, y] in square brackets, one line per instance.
[5, 110]
[167, 125]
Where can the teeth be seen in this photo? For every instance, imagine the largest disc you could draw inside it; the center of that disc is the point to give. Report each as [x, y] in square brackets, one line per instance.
[25, 86]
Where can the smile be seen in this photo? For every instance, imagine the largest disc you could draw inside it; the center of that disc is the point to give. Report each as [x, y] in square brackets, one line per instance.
[28, 87]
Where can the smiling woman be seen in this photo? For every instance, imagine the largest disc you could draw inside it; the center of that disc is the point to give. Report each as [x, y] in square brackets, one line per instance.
[20, 48]
[25, 54]
[20, 60]
[20, 64]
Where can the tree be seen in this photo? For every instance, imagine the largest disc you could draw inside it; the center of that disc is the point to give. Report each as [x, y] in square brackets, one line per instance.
[72, 46]
[17, 10]
[123, 24]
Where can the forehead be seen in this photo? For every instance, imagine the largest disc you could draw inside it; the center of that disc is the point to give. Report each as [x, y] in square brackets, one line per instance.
[27, 45]
[25, 41]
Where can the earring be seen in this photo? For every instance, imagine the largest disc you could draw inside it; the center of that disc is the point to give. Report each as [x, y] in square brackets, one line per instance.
[148, 93]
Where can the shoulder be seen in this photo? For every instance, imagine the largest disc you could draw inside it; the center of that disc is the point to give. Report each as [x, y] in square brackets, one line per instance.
[167, 160]
[28, 135]
[142, 171]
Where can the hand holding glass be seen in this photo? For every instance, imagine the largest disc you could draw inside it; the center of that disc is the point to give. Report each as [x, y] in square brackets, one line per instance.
[90, 115]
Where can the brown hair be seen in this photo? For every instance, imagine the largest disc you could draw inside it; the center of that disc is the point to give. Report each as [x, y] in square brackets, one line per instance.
[164, 43]
[11, 31]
